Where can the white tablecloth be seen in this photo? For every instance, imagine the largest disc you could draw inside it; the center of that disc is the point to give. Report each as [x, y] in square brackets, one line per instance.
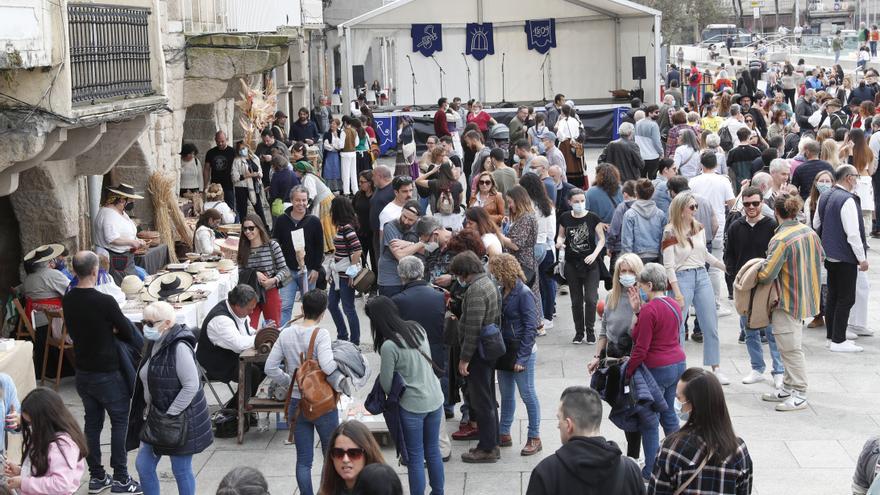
[193, 314]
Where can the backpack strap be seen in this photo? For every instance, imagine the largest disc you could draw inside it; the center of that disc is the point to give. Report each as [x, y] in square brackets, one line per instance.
[311, 350]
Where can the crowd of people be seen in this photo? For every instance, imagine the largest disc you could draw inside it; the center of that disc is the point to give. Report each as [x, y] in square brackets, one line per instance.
[765, 197]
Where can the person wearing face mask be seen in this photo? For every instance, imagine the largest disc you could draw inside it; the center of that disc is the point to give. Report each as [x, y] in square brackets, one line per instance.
[656, 344]
[706, 440]
[615, 333]
[582, 236]
[115, 234]
[168, 384]
[244, 170]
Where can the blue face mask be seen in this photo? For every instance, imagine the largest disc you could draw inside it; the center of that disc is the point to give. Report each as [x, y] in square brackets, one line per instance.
[151, 333]
[60, 264]
[627, 280]
[243, 152]
[578, 208]
[822, 187]
[683, 416]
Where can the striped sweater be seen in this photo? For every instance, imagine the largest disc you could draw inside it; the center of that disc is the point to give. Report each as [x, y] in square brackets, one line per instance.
[269, 259]
[794, 262]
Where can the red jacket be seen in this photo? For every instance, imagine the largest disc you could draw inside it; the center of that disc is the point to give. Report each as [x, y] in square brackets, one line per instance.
[441, 127]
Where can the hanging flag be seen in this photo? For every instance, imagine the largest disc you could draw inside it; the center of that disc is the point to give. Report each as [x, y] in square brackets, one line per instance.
[541, 35]
[427, 39]
[479, 41]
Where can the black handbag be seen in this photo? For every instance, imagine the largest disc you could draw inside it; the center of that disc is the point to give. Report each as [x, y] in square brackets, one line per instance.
[163, 431]
[508, 360]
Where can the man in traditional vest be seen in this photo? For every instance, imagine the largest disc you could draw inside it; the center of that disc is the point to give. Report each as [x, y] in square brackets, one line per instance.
[226, 333]
[838, 221]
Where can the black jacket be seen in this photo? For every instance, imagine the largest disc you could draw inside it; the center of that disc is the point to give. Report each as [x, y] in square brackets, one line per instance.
[425, 305]
[802, 113]
[745, 242]
[625, 155]
[587, 466]
[313, 234]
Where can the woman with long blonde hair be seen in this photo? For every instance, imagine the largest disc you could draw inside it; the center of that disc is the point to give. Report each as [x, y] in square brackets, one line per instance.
[685, 256]
[830, 152]
[615, 332]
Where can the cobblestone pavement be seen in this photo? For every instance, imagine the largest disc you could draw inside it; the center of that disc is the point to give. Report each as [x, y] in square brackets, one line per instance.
[807, 452]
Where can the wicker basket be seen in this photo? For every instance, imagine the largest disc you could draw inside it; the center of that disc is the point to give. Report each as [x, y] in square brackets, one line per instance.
[151, 237]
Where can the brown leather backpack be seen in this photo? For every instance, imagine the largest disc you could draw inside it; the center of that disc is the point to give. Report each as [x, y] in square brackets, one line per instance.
[317, 396]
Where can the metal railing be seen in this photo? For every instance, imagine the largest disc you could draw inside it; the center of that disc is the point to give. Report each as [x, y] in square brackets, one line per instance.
[109, 52]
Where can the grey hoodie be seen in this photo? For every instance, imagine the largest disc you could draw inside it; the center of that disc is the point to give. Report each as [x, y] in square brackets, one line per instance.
[643, 229]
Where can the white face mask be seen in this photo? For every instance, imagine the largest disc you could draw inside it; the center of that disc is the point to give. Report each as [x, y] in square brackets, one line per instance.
[431, 247]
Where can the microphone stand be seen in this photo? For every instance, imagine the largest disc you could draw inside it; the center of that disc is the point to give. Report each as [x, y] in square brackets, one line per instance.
[544, 78]
[503, 99]
[414, 82]
[468, 68]
[442, 73]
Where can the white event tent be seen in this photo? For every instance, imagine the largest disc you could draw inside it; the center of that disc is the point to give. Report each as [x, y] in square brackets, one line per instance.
[595, 43]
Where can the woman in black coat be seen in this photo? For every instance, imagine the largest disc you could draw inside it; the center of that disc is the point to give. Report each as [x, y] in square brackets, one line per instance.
[168, 382]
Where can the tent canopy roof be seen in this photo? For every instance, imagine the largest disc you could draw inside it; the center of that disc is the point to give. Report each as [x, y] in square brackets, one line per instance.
[461, 12]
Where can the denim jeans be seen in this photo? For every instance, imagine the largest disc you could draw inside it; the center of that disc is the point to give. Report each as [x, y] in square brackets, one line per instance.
[756, 352]
[508, 382]
[288, 296]
[344, 293]
[697, 291]
[181, 466]
[104, 392]
[667, 379]
[421, 433]
[547, 285]
[304, 441]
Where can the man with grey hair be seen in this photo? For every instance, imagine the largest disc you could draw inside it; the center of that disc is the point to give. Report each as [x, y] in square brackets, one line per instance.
[647, 136]
[664, 119]
[806, 172]
[805, 108]
[838, 221]
[735, 122]
[625, 154]
[780, 173]
[95, 322]
[421, 303]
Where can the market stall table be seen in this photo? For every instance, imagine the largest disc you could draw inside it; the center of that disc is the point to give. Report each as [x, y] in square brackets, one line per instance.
[191, 313]
[154, 259]
[19, 364]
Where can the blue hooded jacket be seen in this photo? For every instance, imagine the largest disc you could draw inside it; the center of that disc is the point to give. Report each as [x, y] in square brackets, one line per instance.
[642, 229]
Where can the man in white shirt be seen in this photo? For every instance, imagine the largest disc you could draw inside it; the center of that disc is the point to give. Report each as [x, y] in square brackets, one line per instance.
[225, 333]
[838, 221]
[874, 144]
[403, 192]
[735, 121]
[716, 189]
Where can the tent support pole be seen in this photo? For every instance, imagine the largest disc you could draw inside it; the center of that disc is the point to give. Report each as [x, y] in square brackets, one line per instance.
[617, 73]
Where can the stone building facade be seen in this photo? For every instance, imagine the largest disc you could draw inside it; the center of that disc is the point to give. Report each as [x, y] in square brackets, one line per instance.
[82, 106]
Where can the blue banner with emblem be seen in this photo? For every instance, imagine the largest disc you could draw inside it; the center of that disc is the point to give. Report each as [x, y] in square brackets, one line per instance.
[479, 40]
[541, 35]
[427, 38]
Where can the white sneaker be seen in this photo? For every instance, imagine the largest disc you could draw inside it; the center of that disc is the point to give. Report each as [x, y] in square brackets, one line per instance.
[827, 343]
[778, 395]
[850, 335]
[861, 331]
[548, 324]
[793, 403]
[724, 310]
[722, 378]
[753, 377]
[845, 346]
[777, 381]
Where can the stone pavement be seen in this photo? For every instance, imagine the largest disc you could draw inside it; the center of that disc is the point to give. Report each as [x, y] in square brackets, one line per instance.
[805, 452]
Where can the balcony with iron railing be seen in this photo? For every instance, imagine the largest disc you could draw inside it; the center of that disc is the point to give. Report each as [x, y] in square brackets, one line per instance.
[244, 16]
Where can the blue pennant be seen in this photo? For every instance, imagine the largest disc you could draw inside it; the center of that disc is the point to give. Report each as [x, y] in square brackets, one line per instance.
[427, 39]
[479, 41]
[541, 35]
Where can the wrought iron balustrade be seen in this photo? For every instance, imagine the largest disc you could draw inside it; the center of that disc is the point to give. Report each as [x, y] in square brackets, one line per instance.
[109, 52]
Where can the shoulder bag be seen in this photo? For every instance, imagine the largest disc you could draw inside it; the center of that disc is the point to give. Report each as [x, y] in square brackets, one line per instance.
[683, 487]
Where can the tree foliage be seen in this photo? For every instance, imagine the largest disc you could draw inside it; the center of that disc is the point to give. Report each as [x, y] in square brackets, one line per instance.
[683, 19]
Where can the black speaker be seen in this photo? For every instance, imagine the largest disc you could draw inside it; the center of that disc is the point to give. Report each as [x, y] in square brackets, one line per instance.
[639, 68]
[357, 75]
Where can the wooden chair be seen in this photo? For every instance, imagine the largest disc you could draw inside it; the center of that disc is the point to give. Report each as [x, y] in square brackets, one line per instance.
[24, 329]
[64, 348]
